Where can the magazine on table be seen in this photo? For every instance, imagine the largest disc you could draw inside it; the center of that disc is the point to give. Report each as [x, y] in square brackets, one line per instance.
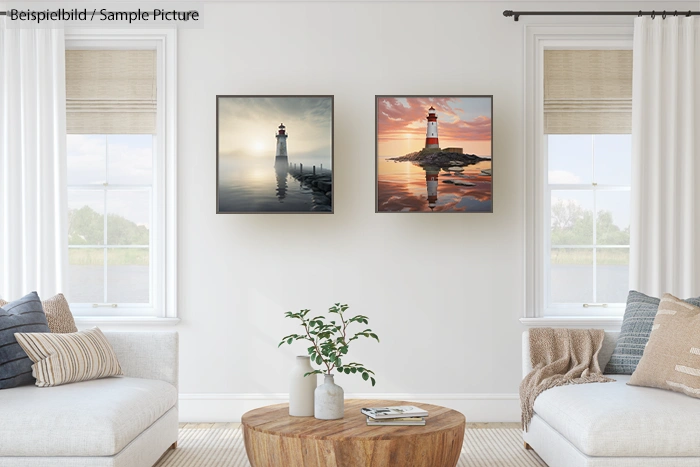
[413, 421]
[399, 411]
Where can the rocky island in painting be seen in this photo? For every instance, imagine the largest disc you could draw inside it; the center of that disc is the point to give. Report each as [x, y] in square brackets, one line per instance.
[434, 154]
[274, 154]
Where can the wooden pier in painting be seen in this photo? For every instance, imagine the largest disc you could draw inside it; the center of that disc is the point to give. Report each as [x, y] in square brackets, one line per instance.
[319, 180]
[315, 177]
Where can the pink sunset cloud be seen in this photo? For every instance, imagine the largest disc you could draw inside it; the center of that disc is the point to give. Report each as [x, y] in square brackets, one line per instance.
[397, 121]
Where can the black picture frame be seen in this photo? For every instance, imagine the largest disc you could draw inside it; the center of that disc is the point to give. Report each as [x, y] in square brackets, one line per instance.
[376, 150]
[273, 96]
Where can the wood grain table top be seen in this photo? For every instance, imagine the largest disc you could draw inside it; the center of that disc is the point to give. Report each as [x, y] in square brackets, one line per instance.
[275, 419]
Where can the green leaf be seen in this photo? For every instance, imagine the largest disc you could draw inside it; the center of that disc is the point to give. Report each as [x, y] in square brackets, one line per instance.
[289, 341]
[337, 361]
[373, 381]
[365, 376]
[319, 360]
[354, 370]
[346, 370]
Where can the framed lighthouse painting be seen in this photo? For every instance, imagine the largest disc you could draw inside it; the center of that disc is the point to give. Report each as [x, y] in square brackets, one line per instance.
[274, 154]
[434, 154]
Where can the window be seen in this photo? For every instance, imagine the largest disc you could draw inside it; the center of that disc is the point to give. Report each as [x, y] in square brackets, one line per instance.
[578, 168]
[110, 219]
[589, 217]
[121, 173]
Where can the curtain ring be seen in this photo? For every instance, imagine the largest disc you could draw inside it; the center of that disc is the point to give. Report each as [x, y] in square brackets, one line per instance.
[653, 14]
[688, 15]
[664, 15]
[640, 14]
[675, 13]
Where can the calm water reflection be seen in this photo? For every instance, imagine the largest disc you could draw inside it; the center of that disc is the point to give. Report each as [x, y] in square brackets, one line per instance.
[253, 186]
[406, 187]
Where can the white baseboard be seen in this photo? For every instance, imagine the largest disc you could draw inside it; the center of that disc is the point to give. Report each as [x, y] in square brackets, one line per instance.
[213, 407]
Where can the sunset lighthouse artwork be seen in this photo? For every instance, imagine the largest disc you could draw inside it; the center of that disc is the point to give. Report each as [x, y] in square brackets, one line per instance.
[419, 172]
[274, 154]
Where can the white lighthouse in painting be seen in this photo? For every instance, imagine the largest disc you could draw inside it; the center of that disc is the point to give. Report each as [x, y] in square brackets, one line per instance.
[431, 135]
[281, 154]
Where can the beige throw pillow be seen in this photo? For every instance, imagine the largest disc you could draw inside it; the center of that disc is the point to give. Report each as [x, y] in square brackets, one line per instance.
[58, 314]
[671, 358]
[68, 358]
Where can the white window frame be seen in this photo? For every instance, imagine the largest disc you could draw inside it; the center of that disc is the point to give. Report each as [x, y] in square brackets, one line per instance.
[539, 38]
[163, 246]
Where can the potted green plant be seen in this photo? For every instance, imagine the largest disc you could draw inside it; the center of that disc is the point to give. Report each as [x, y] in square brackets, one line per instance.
[330, 342]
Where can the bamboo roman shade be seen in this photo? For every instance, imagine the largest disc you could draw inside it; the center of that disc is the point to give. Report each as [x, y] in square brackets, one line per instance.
[111, 91]
[587, 91]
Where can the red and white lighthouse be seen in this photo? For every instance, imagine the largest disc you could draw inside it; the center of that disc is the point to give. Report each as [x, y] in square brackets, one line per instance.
[431, 136]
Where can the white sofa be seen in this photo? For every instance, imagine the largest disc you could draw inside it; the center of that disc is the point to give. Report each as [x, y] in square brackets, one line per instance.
[613, 424]
[127, 421]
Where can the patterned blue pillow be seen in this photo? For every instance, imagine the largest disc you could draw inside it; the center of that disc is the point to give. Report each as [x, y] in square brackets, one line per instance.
[23, 315]
[634, 335]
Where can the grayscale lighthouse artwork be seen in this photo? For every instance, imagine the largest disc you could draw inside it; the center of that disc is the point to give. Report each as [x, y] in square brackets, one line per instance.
[257, 172]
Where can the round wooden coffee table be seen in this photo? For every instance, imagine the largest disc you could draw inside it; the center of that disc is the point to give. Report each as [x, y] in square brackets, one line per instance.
[274, 439]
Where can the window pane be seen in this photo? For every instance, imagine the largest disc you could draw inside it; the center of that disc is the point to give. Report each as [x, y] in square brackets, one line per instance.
[613, 218]
[86, 159]
[85, 217]
[570, 159]
[86, 275]
[613, 159]
[572, 217]
[612, 281]
[128, 275]
[129, 217]
[571, 272]
[130, 160]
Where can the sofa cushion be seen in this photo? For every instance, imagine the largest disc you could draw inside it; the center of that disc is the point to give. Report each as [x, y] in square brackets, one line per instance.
[58, 314]
[69, 357]
[23, 315]
[90, 418]
[672, 356]
[636, 326]
[614, 419]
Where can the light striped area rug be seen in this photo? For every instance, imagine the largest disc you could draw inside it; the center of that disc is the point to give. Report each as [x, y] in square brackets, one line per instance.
[223, 447]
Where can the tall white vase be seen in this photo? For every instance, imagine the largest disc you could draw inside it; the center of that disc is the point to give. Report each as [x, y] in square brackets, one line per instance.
[301, 389]
[329, 400]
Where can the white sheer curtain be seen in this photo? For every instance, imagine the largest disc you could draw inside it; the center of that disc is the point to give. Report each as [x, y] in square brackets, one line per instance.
[33, 217]
[665, 224]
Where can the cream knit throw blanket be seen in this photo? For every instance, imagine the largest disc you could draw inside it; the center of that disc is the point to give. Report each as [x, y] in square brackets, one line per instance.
[560, 357]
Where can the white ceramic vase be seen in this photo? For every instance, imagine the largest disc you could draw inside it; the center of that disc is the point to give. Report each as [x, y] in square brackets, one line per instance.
[329, 401]
[301, 388]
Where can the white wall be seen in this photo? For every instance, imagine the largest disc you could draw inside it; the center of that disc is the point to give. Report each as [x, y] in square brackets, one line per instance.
[443, 291]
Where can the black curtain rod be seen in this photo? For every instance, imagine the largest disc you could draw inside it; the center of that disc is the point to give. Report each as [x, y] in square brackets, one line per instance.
[517, 14]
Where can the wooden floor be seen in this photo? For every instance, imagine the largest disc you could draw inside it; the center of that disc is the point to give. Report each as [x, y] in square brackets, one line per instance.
[205, 426]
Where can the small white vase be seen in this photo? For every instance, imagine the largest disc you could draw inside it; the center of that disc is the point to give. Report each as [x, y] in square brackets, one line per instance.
[301, 388]
[329, 401]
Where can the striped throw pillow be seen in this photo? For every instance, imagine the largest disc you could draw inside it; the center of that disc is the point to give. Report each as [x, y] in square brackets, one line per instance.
[58, 314]
[68, 358]
[23, 315]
